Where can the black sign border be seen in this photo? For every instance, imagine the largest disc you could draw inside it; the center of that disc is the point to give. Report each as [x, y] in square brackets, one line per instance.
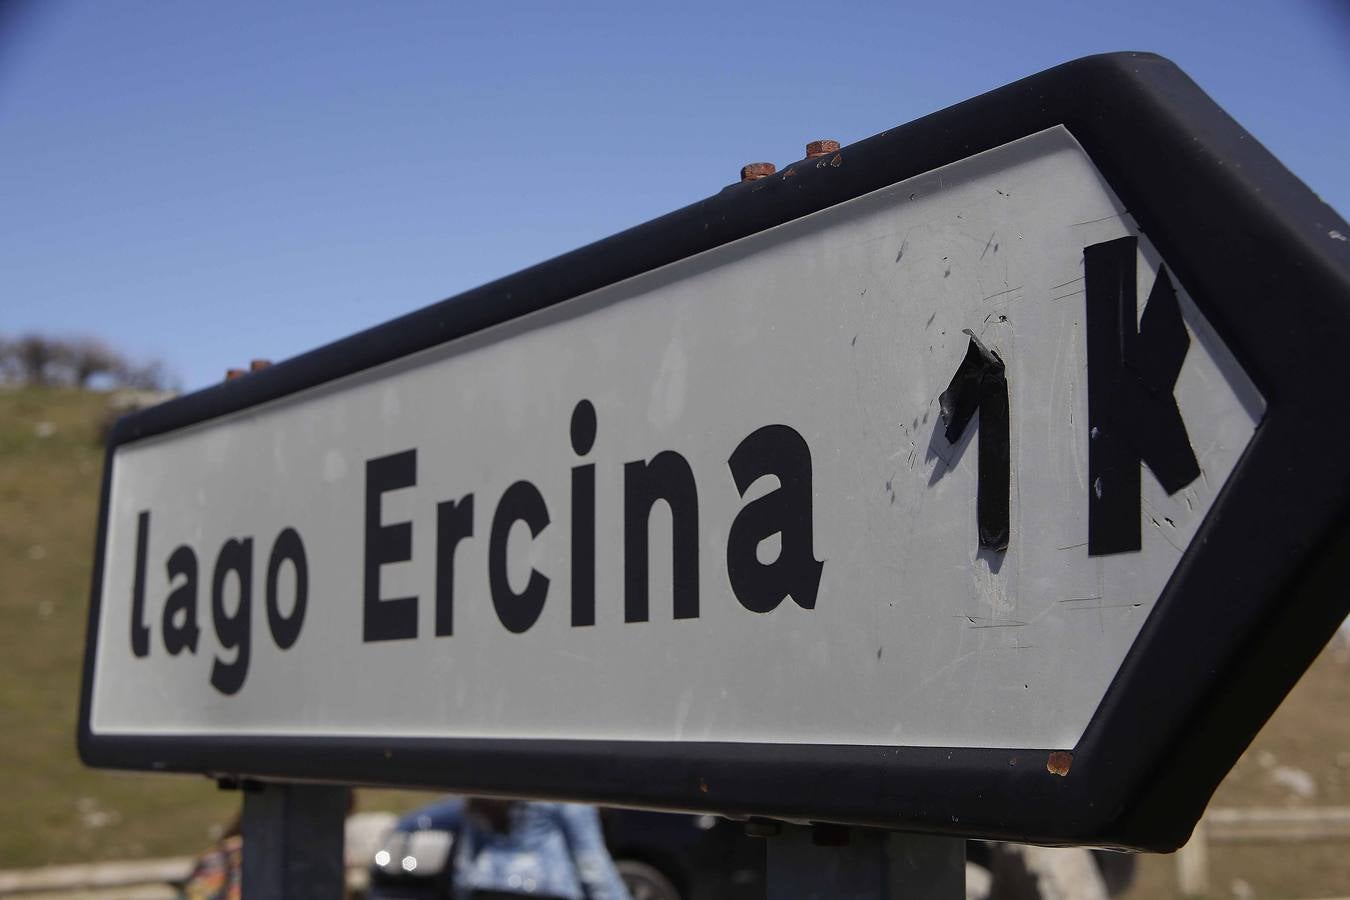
[1254, 599]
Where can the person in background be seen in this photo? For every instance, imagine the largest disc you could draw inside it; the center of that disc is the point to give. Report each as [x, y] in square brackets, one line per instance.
[557, 851]
[216, 875]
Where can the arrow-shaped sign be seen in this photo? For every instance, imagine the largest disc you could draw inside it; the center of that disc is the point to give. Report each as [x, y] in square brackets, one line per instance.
[1049, 695]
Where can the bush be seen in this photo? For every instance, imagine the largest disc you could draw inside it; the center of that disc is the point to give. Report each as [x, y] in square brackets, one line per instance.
[36, 359]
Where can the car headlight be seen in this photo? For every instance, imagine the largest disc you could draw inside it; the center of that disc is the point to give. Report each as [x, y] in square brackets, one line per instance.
[423, 853]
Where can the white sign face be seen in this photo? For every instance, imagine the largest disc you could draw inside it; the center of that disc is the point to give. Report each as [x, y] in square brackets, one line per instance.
[767, 443]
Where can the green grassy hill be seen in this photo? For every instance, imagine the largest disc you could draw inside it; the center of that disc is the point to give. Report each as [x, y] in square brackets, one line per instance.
[55, 810]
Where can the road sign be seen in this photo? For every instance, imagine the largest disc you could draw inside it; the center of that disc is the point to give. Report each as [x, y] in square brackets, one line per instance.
[983, 478]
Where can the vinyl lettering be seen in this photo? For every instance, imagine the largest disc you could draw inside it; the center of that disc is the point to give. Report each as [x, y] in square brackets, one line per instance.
[287, 548]
[454, 523]
[521, 502]
[583, 517]
[981, 385]
[179, 622]
[1132, 411]
[760, 585]
[779, 451]
[395, 618]
[232, 630]
[667, 477]
[140, 634]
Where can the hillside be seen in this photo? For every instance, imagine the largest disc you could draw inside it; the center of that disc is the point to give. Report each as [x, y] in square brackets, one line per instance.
[55, 810]
[1300, 759]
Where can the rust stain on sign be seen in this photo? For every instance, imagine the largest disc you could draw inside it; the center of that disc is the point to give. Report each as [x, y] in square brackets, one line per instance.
[1059, 763]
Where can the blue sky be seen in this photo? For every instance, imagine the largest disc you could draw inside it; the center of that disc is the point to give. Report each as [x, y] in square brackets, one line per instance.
[207, 183]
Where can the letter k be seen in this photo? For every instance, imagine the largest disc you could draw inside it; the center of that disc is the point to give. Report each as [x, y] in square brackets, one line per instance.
[1132, 410]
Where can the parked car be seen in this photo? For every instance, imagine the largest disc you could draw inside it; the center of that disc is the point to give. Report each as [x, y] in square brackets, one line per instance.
[661, 856]
[677, 856]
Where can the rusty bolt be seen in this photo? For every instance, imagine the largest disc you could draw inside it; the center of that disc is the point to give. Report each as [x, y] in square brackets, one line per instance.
[232, 374]
[756, 171]
[259, 364]
[1059, 763]
[821, 148]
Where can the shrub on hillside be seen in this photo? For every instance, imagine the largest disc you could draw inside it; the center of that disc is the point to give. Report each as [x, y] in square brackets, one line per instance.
[40, 360]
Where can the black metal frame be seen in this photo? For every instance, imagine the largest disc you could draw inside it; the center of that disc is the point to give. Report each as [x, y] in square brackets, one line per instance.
[1251, 603]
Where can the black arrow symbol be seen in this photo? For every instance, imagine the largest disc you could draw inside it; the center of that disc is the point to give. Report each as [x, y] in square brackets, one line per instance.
[1132, 411]
[981, 384]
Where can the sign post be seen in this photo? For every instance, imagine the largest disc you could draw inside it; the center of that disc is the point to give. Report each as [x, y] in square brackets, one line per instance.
[869, 865]
[293, 841]
[961, 482]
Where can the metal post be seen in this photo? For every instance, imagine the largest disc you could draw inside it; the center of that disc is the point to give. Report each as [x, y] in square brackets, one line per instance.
[872, 865]
[293, 842]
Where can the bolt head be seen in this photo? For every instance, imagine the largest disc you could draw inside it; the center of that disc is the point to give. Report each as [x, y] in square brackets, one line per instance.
[820, 148]
[757, 170]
